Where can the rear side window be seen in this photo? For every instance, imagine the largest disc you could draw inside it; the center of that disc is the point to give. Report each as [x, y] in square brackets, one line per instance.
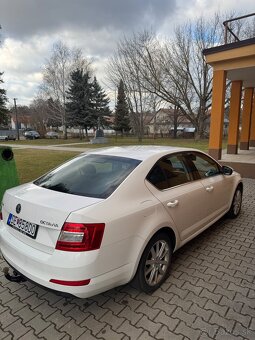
[169, 172]
[91, 175]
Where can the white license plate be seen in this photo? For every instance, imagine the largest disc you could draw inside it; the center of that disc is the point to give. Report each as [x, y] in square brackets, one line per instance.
[25, 227]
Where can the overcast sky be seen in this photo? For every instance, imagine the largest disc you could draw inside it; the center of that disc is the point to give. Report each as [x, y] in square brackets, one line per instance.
[30, 27]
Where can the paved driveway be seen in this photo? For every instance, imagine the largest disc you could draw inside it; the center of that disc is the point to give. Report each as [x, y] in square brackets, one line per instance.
[210, 294]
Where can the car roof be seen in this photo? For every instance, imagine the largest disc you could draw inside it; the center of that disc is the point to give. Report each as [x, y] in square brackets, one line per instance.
[139, 152]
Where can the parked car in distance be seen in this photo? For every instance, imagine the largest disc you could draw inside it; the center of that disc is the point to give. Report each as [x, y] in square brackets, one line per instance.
[31, 135]
[8, 137]
[114, 215]
[52, 135]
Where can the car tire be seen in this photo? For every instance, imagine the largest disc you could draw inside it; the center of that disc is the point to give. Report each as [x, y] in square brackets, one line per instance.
[235, 208]
[150, 272]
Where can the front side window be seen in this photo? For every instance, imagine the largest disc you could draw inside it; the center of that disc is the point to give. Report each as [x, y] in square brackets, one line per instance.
[204, 165]
[91, 175]
[169, 172]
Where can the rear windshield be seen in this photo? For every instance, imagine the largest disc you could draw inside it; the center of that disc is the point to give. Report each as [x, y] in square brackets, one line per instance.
[89, 175]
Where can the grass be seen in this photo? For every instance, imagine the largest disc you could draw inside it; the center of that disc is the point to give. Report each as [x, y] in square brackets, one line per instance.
[34, 163]
[44, 141]
[118, 141]
[113, 141]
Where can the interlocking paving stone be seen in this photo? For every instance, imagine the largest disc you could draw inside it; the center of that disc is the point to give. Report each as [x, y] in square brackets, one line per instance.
[164, 334]
[17, 329]
[146, 336]
[151, 326]
[184, 316]
[131, 331]
[51, 333]
[189, 332]
[108, 333]
[38, 324]
[6, 296]
[58, 319]
[72, 329]
[202, 312]
[93, 325]
[6, 319]
[167, 320]
[132, 316]
[166, 307]
[147, 310]
[25, 314]
[210, 294]
[3, 334]
[28, 336]
[15, 304]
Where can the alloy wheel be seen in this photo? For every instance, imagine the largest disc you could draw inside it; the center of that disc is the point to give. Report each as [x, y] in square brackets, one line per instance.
[237, 202]
[157, 262]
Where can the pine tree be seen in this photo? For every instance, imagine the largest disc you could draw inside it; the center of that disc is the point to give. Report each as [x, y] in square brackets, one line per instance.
[121, 122]
[79, 106]
[3, 101]
[100, 103]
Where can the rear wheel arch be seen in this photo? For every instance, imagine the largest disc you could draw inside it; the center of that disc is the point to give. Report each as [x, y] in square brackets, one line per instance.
[170, 233]
[149, 266]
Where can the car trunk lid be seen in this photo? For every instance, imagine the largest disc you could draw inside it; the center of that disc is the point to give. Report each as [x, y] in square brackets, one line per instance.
[35, 215]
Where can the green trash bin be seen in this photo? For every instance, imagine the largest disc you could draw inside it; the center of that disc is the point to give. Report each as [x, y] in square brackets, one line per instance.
[8, 172]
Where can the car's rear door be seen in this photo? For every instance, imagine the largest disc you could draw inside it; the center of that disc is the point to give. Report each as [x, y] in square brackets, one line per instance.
[183, 197]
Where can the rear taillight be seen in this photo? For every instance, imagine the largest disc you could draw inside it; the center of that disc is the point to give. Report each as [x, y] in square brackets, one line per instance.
[80, 237]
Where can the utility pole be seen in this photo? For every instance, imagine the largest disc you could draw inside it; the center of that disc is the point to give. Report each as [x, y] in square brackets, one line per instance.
[16, 114]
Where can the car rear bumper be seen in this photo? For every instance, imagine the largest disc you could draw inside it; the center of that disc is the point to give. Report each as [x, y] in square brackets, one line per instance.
[41, 267]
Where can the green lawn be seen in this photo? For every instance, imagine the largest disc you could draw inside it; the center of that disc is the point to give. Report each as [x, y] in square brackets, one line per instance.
[44, 141]
[113, 141]
[33, 163]
[187, 143]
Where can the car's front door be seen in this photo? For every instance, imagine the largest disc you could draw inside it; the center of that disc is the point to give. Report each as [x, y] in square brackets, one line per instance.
[216, 185]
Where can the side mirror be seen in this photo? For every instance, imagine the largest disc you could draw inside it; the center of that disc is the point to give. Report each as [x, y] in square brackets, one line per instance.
[226, 170]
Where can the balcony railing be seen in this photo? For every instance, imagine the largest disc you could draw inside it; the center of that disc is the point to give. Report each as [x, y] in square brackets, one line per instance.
[228, 29]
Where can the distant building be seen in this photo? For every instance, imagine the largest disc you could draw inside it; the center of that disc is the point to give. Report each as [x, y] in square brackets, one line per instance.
[24, 121]
[164, 121]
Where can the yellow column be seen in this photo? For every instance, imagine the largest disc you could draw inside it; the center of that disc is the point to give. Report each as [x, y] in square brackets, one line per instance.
[217, 114]
[234, 117]
[252, 132]
[246, 119]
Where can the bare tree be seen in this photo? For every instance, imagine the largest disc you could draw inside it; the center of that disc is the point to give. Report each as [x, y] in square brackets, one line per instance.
[176, 71]
[40, 114]
[125, 66]
[56, 78]
[173, 70]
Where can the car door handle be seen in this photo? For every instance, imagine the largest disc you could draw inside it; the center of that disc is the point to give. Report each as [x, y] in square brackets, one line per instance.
[209, 189]
[172, 204]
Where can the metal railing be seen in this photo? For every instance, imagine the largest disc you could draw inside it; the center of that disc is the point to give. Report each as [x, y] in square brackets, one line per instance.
[228, 29]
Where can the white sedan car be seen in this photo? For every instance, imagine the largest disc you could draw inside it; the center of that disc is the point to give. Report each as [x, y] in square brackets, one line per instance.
[112, 216]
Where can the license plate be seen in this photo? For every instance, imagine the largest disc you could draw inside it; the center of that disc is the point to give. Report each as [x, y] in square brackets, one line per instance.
[25, 227]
